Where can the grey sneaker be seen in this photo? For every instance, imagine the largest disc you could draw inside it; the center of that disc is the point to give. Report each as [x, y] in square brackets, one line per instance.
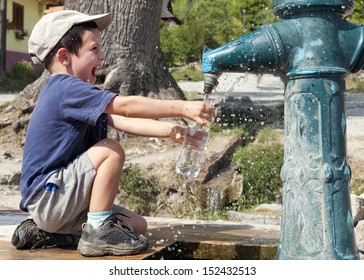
[28, 235]
[114, 237]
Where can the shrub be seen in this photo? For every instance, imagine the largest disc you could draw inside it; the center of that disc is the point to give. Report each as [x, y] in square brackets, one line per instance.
[260, 164]
[19, 77]
[21, 70]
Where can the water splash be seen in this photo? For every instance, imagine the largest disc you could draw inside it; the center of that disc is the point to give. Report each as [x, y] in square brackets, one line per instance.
[214, 197]
[222, 98]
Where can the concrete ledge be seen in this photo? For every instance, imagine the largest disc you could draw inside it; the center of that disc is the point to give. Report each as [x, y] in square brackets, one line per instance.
[168, 239]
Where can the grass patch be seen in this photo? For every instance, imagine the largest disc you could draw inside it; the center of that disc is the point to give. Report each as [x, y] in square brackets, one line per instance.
[189, 74]
[137, 192]
[217, 128]
[268, 136]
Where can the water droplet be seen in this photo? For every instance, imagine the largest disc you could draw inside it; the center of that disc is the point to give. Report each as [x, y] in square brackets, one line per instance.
[160, 241]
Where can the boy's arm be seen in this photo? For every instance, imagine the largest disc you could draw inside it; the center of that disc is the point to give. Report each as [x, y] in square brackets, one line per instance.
[147, 127]
[143, 107]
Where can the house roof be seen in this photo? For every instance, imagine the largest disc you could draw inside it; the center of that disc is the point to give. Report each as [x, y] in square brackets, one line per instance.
[167, 13]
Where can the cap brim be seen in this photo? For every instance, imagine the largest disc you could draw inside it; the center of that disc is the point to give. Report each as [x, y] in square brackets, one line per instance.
[102, 21]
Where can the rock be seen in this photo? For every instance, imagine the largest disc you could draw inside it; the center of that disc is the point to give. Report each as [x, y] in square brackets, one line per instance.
[3, 181]
[235, 190]
[7, 155]
[357, 206]
[253, 218]
[359, 236]
[20, 124]
[219, 160]
[269, 208]
[219, 192]
[233, 110]
[241, 110]
[15, 179]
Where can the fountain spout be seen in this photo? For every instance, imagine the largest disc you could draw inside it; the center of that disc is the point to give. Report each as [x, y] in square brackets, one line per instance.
[312, 49]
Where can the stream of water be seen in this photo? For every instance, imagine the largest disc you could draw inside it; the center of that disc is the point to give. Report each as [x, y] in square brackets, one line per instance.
[214, 196]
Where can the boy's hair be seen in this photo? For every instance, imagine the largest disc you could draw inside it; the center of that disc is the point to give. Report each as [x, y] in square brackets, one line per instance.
[72, 40]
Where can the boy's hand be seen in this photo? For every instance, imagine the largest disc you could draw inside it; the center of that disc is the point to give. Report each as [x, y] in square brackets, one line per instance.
[198, 111]
[177, 134]
[195, 139]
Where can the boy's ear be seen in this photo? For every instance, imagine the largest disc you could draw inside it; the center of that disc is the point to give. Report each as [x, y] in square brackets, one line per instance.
[62, 56]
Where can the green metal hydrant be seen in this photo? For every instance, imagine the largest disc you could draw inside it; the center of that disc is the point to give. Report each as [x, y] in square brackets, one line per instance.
[313, 48]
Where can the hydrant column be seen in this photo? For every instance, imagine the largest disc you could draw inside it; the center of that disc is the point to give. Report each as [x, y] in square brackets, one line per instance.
[316, 217]
[317, 221]
[312, 49]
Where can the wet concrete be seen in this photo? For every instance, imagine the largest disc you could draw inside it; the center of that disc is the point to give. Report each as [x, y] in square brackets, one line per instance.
[168, 239]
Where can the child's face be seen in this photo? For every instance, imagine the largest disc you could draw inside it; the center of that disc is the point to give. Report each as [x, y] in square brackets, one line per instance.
[89, 58]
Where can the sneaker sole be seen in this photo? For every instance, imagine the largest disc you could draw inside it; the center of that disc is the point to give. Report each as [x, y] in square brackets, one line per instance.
[89, 249]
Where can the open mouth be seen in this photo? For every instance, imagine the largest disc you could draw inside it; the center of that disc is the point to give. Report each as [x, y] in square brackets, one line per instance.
[93, 71]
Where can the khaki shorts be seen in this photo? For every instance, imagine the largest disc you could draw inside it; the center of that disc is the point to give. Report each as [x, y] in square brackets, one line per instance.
[65, 209]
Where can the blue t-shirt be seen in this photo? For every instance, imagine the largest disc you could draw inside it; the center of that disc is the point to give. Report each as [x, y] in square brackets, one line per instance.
[67, 120]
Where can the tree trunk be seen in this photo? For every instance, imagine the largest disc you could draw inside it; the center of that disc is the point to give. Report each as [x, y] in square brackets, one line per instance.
[134, 63]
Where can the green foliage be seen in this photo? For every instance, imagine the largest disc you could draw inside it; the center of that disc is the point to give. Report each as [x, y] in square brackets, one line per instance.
[358, 15]
[21, 69]
[19, 77]
[137, 192]
[215, 23]
[210, 23]
[261, 163]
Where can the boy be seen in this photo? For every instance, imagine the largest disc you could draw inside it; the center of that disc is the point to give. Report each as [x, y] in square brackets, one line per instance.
[71, 170]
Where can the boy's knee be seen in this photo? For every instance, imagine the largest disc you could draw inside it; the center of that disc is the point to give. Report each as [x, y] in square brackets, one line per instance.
[115, 147]
[106, 149]
[141, 226]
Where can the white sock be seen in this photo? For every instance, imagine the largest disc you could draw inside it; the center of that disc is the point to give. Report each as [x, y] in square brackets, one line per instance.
[96, 219]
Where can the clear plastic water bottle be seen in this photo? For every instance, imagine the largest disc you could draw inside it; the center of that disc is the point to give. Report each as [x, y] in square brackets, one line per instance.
[195, 140]
[189, 160]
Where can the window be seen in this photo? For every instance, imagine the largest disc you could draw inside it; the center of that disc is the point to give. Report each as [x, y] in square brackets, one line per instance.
[18, 16]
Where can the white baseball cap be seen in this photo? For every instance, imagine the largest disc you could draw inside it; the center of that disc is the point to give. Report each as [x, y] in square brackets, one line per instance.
[50, 29]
